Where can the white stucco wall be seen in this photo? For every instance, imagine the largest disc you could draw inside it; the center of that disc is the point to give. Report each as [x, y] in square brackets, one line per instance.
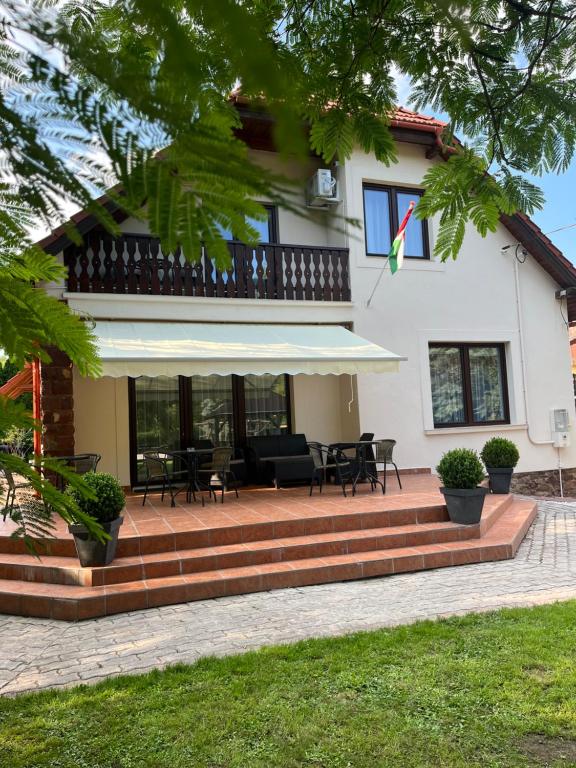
[320, 408]
[472, 299]
[101, 423]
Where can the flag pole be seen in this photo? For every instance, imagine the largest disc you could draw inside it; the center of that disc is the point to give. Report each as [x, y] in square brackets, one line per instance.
[399, 237]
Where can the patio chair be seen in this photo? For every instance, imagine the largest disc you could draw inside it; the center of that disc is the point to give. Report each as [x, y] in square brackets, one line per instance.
[158, 470]
[13, 486]
[329, 460]
[384, 451]
[81, 464]
[219, 472]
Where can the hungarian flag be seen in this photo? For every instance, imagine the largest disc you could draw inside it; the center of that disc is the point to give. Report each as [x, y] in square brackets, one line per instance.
[396, 255]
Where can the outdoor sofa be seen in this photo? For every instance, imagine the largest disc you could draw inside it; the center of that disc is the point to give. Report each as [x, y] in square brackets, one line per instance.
[279, 459]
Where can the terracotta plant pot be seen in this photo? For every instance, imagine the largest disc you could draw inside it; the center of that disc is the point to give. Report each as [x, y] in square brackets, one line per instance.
[464, 504]
[91, 552]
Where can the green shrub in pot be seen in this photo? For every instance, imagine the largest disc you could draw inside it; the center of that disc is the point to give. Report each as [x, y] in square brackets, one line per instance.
[106, 507]
[460, 471]
[500, 457]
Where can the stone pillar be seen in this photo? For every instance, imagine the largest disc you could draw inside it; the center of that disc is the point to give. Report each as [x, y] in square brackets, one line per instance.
[57, 405]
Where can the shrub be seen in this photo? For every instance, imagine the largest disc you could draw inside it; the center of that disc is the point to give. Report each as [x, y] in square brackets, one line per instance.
[499, 452]
[460, 468]
[20, 441]
[109, 501]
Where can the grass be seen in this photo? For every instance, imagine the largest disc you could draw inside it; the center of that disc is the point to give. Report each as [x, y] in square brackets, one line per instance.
[473, 691]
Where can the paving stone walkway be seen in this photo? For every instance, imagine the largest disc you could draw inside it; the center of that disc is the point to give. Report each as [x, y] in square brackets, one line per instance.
[39, 653]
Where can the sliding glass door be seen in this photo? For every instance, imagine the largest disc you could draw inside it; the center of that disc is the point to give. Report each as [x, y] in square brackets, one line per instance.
[212, 409]
[266, 403]
[171, 413]
[156, 416]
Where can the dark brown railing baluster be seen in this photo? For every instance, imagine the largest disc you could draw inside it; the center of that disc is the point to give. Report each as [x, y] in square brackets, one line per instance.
[345, 294]
[119, 266]
[288, 273]
[278, 273]
[84, 278]
[70, 262]
[336, 277]
[220, 284]
[298, 292]
[132, 278]
[250, 272]
[259, 269]
[208, 274]
[307, 254]
[151, 261]
[144, 264]
[238, 259]
[95, 262]
[327, 275]
[317, 275]
[108, 279]
[177, 272]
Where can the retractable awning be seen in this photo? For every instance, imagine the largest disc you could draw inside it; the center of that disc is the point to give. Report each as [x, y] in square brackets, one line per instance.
[187, 349]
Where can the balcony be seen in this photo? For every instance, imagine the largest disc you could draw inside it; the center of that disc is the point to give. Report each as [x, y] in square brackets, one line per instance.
[136, 264]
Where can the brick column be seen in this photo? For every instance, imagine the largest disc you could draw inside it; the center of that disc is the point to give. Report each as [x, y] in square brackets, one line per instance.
[57, 405]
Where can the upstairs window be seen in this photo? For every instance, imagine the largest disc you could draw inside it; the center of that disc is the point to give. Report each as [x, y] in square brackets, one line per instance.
[267, 229]
[468, 384]
[384, 209]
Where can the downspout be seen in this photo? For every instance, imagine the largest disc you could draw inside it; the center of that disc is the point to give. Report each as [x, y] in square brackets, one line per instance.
[524, 376]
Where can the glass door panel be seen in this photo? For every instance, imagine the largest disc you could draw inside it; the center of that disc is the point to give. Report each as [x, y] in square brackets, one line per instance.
[266, 405]
[157, 408]
[212, 409]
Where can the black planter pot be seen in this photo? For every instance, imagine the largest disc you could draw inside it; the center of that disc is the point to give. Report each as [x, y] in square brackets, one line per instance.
[464, 504]
[500, 479]
[92, 552]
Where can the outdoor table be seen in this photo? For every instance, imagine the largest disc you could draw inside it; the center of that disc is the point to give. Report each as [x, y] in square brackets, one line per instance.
[365, 463]
[190, 456]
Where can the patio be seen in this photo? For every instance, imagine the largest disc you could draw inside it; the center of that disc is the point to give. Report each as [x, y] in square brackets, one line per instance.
[266, 539]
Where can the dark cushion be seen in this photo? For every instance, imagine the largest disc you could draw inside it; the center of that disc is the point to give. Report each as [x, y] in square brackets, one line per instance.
[278, 445]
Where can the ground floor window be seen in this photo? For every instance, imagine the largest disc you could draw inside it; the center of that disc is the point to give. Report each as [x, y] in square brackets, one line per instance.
[469, 384]
[173, 412]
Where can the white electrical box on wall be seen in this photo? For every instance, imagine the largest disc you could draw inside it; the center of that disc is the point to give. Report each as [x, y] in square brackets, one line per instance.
[560, 427]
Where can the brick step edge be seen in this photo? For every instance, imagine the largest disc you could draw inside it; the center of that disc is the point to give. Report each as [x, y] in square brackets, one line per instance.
[67, 604]
[181, 562]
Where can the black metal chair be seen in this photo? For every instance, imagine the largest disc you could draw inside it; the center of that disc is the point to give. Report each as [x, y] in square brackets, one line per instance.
[329, 460]
[12, 486]
[384, 455]
[80, 464]
[158, 470]
[219, 472]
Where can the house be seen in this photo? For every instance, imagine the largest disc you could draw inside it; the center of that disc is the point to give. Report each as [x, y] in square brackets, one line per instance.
[462, 351]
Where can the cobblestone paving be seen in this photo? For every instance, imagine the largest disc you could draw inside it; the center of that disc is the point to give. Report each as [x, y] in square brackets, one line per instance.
[39, 653]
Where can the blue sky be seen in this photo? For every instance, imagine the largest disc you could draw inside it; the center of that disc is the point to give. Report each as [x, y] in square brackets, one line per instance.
[559, 210]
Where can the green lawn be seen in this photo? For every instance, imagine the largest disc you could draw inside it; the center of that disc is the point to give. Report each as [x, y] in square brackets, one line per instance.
[491, 690]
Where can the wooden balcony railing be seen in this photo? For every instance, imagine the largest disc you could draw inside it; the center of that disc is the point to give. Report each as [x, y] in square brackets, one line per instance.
[136, 264]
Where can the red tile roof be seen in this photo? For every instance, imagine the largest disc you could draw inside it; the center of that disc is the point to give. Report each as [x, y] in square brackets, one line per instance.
[405, 118]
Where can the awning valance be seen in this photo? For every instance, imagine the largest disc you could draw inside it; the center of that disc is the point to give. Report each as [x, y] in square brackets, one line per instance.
[187, 349]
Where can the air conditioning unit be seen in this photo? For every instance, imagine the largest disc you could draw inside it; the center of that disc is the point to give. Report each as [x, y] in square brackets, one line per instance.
[322, 189]
[560, 427]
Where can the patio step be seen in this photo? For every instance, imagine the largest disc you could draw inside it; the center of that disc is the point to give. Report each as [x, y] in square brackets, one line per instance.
[66, 570]
[173, 562]
[348, 519]
[498, 541]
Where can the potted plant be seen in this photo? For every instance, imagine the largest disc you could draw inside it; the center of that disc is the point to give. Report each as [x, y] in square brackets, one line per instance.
[500, 457]
[461, 471]
[105, 508]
